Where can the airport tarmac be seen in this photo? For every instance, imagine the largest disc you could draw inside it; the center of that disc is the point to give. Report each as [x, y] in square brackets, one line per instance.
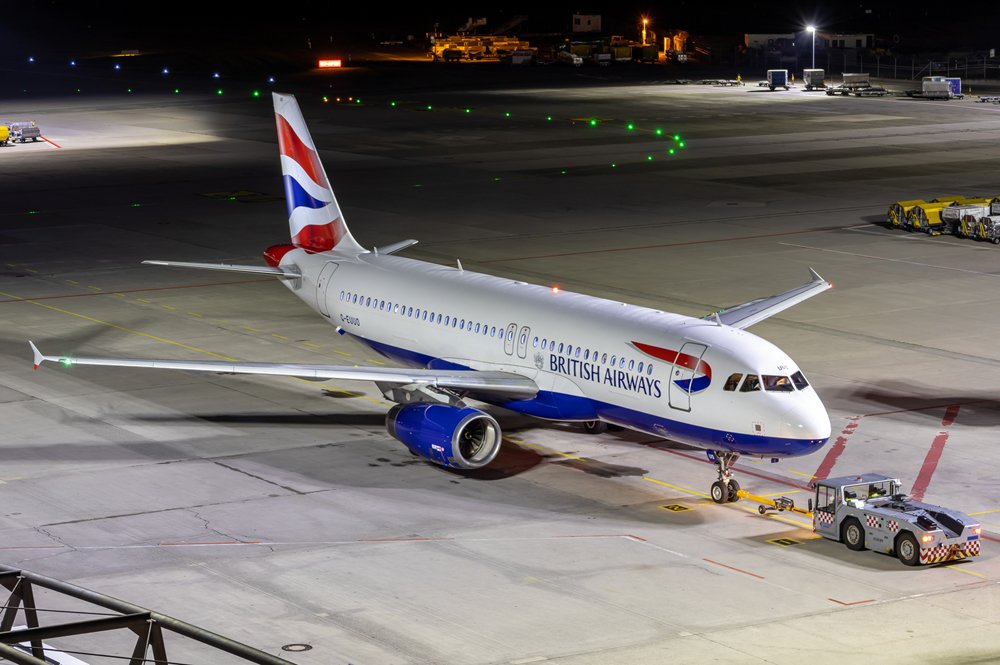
[278, 511]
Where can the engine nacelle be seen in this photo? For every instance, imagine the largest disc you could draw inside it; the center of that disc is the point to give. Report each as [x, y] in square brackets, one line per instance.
[452, 437]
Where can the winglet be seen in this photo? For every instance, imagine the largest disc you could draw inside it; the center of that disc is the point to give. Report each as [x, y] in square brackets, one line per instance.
[39, 358]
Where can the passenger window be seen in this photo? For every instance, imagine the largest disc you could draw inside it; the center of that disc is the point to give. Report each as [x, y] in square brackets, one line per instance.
[409, 312]
[799, 381]
[560, 347]
[493, 331]
[454, 322]
[777, 384]
[510, 335]
[750, 384]
[381, 305]
[613, 359]
[478, 327]
[524, 339]
[604, 359]
[639, 368]
[621, 363]
[447, 320]
[631, 365]
[341, 295]
[545, 344]
[577, 354]
[586, 354]
[569, 349]
[649, 369]
[534, 342]
[732, 382]
[369, 303]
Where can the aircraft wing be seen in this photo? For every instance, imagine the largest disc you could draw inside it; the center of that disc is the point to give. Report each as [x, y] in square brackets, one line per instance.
[506, 383]
[755, 311]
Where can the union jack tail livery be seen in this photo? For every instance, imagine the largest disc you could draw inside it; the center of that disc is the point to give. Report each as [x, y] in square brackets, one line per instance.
[315, 220]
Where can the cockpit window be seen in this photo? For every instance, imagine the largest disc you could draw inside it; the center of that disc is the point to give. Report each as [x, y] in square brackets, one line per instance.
[750, 384]
[732, 382]
[799, 381]
[777, 384]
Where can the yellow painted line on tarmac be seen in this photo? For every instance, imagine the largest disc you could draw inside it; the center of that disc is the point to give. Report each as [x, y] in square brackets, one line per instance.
[311, 345]
[800, 473]
[120, 295]
[962, 569]
[169, 307]
[678, 487]
[279, 336]
[196, 315]
[117, 327]
[985, 512]
[545, 448]
[72, 281]
[250, 328]
[94, 288]
[373, 361]
[30, 270]
[349, 355]
[143, 300]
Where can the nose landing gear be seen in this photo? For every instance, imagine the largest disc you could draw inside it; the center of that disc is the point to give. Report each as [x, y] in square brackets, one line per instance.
[725, 489]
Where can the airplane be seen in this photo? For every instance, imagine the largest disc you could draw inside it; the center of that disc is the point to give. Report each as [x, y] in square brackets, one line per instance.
[460, 336]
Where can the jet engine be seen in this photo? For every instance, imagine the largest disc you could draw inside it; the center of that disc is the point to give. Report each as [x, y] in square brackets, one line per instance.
[446, 435]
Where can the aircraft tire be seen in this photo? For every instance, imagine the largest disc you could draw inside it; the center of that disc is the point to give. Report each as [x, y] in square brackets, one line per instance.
[720, 492]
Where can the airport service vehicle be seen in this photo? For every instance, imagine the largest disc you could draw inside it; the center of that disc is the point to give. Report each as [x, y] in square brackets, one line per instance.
[868, 511]
[938, 87]
[24, 131]
[540, 351]
[4, 134]
[813, 79]
[777, 78]
[569, 58]
[857, 84]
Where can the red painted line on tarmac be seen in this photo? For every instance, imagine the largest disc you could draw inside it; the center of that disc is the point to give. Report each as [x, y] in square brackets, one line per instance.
[212, 542]
[924, 408]
[157, 288]
[985, 537]
[662, 245]
[933, 455]
[51, 142]
[745, 572]
[835, 451]
[856, 602]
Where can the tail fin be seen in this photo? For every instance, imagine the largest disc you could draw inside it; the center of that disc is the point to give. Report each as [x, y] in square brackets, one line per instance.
[314, 218]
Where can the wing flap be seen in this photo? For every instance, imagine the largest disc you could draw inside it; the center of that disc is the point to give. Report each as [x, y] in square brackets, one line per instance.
[755, 311]
[514, 385]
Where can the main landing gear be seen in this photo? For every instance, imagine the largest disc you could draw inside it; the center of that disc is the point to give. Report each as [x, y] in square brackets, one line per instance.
[725, 489]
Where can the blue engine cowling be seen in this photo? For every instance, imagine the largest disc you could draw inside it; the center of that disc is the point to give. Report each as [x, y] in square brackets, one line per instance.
[452, 437]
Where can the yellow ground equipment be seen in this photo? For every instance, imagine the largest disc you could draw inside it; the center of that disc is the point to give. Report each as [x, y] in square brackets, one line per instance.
[953, 215]
[898, 210]
[4, 134]
[780, 504]
[926, 217]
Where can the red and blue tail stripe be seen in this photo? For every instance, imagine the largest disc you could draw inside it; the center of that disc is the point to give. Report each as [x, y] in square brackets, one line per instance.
[315, 221]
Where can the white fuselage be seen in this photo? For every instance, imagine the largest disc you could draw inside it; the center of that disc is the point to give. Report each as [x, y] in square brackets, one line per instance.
[592, 359]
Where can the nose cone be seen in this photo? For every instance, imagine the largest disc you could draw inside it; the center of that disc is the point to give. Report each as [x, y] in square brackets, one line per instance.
[807, 420]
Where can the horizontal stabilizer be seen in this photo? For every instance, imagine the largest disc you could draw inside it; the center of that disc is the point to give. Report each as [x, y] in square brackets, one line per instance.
[396, 247]
[755, 311]
[227, 267]
[512, 385]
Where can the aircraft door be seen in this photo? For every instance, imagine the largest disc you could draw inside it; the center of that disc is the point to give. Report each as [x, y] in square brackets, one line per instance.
[687, 366]
[508, 339]
[522, 341]
[321, 285]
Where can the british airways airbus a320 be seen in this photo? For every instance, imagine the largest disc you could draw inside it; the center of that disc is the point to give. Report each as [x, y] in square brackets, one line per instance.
[534, 350]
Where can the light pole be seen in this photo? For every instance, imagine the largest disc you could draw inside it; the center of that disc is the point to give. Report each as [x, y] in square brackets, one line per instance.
[812, 29]
[645, 22]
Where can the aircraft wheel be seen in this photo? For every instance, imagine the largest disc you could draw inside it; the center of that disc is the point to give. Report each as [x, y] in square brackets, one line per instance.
[853, 535]
[907, 549]
[734, 487]
[595, 427]
[720, 492]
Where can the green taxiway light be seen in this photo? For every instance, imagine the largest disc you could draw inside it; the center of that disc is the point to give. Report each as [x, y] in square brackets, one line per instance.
[326, 99]
[593, 122]
[256, 93]
[497, 179]
[671, 151]
[130, 89]
[67, 361]
[563, 172]
[649, 158]
[392, 103]
[429, 107]
[681, 144]
[33, 212]
[630, 127]
[135, 205]
[177, 91]
[613, 165]
[549, 118]
[659, 131]
[357, 101]
[507, 114]
[677, 137]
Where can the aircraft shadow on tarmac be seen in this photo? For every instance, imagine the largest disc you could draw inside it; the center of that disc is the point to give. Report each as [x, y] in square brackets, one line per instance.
[974, 410]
